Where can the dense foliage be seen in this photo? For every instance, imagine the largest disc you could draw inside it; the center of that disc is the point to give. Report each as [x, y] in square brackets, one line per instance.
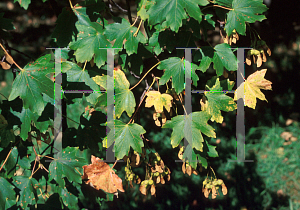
[146, 46]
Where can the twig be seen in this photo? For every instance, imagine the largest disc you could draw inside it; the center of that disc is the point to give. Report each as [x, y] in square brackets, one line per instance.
[6, 159]
[156, 81]
[129, 11]
[134, 23]
[3, 96]
[181, 99]
[135, 34]
[21, 53]
[119, 7]
[114, 164]
[145, 75]
[133, 74]
[141, 101]
[71, 4]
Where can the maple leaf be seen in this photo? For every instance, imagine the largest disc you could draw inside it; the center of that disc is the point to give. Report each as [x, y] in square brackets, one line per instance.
[173, 12]
[124, 32]
[90, 39]
[175, 68]
[32, 82]
[250, 89]
[217, 101]
[244, 11]
[158, 100]
[194, 135]
[7, 192]
[124, 98]
[101, 176]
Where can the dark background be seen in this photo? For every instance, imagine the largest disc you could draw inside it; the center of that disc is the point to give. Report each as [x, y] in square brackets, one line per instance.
[281, 31]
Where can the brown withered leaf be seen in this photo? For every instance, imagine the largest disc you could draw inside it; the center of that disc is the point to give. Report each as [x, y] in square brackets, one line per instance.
[101, 176]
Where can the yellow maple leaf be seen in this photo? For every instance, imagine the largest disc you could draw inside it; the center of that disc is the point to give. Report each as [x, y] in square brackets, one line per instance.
[250, 89]
[159, 101]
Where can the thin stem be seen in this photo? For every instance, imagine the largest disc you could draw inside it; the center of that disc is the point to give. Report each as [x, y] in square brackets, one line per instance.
[71, 4]
[141, 101]
[114, 164]
[213, 171]
[47, 157]
[145, 75]
[78, 171]
[3, 96]
[120, 8]
[34, 172]
[156, 79]
[84, 65]
[44, 168]
[135, 34]
[70, 119]
[33, 168]
[215, 5]
[181, 99]
[129, 11]
[6, 159]
[135, 21]
[21, 53]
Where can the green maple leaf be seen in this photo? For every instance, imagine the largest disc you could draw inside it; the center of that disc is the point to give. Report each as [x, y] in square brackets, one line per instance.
[69, 199]
[89, 39]
[212, 152]
[26, 116]
[193, 158]
[28, 194]
[65, 167]
[6, 134]
[23, 3]
[142, 8]
[124, 31]
[173, 12]
[124, 98]
[217, 101]
[14, 159]
[154, 45]
[175, 68]
[126, 136]
[194, 136]
[244, 11]
[224, 57]
[65, 27]
[6, 192]
[76, 74]
[31, 82]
